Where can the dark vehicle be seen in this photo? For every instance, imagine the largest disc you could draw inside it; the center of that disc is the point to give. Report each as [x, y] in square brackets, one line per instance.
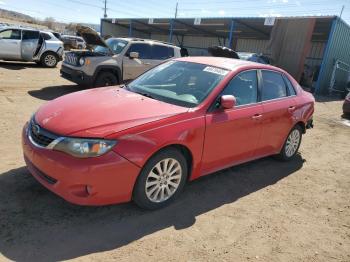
[222, 51]
[254, 57]
[73, 42]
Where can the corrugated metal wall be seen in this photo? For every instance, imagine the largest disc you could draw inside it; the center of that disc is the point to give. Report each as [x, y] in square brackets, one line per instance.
[253, 46]
[338, 47]
[315, 55]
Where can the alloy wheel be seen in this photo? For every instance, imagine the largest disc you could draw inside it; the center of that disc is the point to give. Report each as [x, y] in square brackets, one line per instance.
[50, 60]
[163, 180]
[292, 143]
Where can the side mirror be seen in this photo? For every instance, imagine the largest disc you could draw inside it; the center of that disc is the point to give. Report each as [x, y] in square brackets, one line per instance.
[134, 55]
[227, 101]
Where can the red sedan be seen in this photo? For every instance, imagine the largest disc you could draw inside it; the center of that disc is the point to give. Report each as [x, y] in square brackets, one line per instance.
[181, 120]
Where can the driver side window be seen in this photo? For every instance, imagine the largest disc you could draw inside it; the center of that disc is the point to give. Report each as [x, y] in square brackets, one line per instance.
[144, 50]
[244, 87]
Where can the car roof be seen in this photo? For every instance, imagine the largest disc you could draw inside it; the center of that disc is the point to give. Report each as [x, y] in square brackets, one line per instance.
[144, 40]
[226, 63]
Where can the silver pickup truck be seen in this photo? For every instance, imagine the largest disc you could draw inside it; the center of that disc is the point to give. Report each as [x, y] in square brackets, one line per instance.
[21, 44]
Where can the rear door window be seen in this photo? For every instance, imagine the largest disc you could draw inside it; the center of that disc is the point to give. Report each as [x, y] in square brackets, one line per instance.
[144, 50]
[274, 86]
[160, 52]
[30, 35]
[13, 34]
[46, 36]
[290, 87]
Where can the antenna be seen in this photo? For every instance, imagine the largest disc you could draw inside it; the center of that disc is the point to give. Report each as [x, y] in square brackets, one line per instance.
[177, 4]
[342, 10]
[105, 8]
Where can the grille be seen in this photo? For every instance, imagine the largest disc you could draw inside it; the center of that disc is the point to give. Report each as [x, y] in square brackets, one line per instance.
[39, 135]
[70, 58]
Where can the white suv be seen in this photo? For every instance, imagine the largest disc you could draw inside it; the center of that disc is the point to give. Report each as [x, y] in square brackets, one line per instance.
[115, 60]
[21, 44]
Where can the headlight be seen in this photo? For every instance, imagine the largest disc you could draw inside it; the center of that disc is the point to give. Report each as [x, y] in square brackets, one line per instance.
[83, 148]
[82, 61]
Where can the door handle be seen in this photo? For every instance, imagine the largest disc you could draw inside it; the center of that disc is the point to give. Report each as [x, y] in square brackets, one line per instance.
[147, 63]
[291, 109]
[257, 116]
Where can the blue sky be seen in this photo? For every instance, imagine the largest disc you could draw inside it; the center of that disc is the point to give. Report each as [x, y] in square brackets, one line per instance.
[90, 11]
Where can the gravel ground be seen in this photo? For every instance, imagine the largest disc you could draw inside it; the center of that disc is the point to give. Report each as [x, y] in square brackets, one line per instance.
[261, 211]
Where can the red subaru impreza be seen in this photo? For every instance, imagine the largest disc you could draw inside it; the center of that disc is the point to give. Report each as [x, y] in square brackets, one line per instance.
[183, 119]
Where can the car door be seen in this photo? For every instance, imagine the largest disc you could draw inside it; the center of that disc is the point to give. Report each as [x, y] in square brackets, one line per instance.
[278, 108]
[10, 44]
[30, 39]
[232, 135]
[133, 67]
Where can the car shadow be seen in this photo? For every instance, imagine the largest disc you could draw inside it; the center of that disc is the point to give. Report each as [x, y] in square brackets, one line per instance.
[36, 225]
[52, 92]
[18, 65]
[329, 98]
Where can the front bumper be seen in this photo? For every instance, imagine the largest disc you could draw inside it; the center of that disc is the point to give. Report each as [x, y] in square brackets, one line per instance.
[76, 76]
[108, 179]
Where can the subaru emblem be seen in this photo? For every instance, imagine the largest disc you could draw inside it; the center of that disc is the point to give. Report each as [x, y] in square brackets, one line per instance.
[36, 129]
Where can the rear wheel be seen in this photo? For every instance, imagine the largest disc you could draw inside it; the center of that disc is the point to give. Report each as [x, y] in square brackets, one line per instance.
[49, 59]
[161, 179]
[106, 79]
[292, 144]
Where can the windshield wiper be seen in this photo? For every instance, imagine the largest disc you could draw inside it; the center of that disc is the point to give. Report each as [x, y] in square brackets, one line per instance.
[145, 94]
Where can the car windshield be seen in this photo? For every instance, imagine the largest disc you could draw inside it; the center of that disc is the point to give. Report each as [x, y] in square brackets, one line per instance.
[181, 83]
[116, 45]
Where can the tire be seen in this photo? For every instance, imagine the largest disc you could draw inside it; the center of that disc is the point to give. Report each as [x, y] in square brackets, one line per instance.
[49, 60]
[153, 191]
[291, 145]
[106, 79]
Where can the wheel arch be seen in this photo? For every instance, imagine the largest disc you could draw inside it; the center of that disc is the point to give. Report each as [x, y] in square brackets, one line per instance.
[113, 69]
[48, 51]
[302, 126]
[183, 149]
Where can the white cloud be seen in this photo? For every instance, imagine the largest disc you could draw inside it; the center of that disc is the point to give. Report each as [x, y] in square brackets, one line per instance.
[270, 13]
[277, 1]
[205, 11]
[222, 12]
[2, 3]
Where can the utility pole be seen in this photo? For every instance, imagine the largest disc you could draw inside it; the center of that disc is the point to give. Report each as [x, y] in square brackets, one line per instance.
[342, 10]
[177, 4]
[105, 13]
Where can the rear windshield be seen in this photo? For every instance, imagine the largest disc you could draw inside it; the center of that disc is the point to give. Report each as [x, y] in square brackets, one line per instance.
[116, 45]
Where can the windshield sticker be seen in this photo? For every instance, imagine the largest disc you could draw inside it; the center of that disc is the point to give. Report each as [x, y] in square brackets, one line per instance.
[215, 70]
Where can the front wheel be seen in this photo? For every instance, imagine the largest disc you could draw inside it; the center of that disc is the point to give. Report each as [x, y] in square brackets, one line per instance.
[291, 145]
[161, 179]
[49, 60]
[106, 79]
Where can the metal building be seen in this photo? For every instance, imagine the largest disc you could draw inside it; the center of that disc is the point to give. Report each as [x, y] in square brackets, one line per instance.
[309, 48]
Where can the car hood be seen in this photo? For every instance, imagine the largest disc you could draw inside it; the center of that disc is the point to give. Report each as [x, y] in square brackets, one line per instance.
[101, 112]
[90, 36]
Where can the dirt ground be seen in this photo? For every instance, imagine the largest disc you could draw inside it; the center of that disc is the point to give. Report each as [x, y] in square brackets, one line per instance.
[261, 211]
